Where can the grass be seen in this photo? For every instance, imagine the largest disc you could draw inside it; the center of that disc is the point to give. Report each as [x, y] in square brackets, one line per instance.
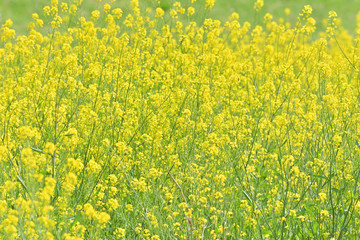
[20, 10]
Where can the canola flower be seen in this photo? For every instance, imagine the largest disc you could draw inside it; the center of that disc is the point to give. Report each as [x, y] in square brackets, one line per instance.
[150, 125]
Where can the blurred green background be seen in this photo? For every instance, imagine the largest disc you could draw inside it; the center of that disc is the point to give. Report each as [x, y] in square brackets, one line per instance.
[20, 10]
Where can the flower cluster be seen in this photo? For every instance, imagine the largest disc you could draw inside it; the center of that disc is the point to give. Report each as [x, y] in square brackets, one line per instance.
[151, 124]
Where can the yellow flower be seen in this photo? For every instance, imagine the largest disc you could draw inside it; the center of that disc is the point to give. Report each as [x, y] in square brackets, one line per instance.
[90, 211]
[324, 214]
[159, 12]
[287, 11]
[173, 13]
[25, 132]
[113, 204]
[8, 23]
[258, 5]
[190, 11]
[103, 217]
[119, 233]
[117, 13]
[322, 197]
[93, 166]
[209, 4]
[70, 182]
[129, 208]
[49, 148]
[95, 14]
[107, 8]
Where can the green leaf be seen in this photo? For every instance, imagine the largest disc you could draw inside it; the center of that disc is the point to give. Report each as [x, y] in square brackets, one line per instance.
[357, 143]
[37, 150]
[247, 196]
[77, 217]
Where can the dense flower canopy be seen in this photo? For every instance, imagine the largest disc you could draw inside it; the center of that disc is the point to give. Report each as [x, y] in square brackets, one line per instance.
[151, 125]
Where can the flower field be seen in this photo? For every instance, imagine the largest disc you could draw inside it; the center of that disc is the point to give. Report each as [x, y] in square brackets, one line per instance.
[156, 124]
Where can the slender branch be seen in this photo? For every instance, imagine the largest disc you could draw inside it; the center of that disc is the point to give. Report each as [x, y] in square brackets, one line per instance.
[190, 222]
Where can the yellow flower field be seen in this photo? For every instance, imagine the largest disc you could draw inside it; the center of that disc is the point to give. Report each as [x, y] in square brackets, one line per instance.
[151, 125]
